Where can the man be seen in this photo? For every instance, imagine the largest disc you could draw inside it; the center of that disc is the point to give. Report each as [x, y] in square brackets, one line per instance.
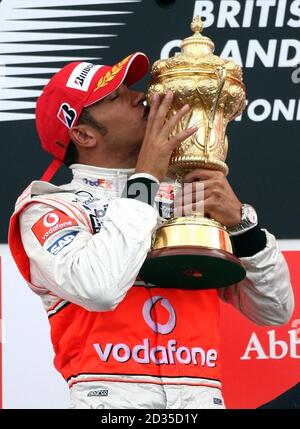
[118, 342]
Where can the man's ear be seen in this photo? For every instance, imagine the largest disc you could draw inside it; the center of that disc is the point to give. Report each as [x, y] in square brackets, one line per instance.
[84, 136]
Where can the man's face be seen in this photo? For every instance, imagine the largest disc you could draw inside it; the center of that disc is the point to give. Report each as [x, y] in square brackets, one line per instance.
[124, 116]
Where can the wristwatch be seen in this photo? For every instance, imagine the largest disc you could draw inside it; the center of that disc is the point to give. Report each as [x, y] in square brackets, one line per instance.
[248, 220]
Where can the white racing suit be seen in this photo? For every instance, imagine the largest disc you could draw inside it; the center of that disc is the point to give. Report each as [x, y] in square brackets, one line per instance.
[118, 342]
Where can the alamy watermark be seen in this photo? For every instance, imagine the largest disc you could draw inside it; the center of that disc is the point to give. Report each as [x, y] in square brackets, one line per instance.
[168, 200]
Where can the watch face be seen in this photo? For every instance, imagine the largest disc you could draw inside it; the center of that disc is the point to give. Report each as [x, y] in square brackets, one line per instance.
[249, 220]
[251, 214]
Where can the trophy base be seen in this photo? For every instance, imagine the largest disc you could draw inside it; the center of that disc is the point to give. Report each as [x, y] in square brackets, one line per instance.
[192, 267]
[192, 252]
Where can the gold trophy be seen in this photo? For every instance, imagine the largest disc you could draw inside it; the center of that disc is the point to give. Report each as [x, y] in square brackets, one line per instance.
[195, 252]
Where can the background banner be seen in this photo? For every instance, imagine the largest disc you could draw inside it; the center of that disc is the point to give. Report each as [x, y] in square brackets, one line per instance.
[262, 363]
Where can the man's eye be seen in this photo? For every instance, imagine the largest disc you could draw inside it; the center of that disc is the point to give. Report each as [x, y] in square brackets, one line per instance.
[114, 97]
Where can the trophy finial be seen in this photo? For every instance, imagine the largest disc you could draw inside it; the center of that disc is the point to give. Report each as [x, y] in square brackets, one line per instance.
[197, 45]
[197, 24]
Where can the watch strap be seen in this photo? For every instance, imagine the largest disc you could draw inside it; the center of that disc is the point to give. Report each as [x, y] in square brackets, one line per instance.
[248, 221]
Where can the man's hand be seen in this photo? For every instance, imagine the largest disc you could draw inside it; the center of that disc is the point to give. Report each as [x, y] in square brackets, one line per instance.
[157, 147]
[220, 202]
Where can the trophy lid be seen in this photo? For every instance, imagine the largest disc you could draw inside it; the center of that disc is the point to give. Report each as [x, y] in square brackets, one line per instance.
[196, 56]
[197, 44]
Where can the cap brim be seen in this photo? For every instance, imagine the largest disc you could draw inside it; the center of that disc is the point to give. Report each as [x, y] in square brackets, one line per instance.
[129, 70]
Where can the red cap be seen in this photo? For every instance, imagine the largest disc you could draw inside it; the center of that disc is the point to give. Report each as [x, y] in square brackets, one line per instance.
[75, 86]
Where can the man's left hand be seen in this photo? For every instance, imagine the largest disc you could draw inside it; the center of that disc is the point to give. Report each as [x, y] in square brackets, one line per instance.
[220, 202]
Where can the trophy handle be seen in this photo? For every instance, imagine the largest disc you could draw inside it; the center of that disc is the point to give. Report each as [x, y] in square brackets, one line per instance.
[221, 75]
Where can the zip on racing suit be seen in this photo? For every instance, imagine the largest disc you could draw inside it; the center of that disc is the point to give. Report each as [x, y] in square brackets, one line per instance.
[118, 342]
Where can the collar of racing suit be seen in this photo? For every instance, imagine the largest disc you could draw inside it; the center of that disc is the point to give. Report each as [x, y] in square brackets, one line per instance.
[96, 178]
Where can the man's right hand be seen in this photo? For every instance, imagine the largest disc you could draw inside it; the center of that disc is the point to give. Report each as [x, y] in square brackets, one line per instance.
[157, 147]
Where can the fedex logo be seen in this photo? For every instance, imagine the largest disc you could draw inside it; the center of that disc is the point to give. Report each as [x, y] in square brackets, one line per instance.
[62, 242]
[51, 223]
[103, 183]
